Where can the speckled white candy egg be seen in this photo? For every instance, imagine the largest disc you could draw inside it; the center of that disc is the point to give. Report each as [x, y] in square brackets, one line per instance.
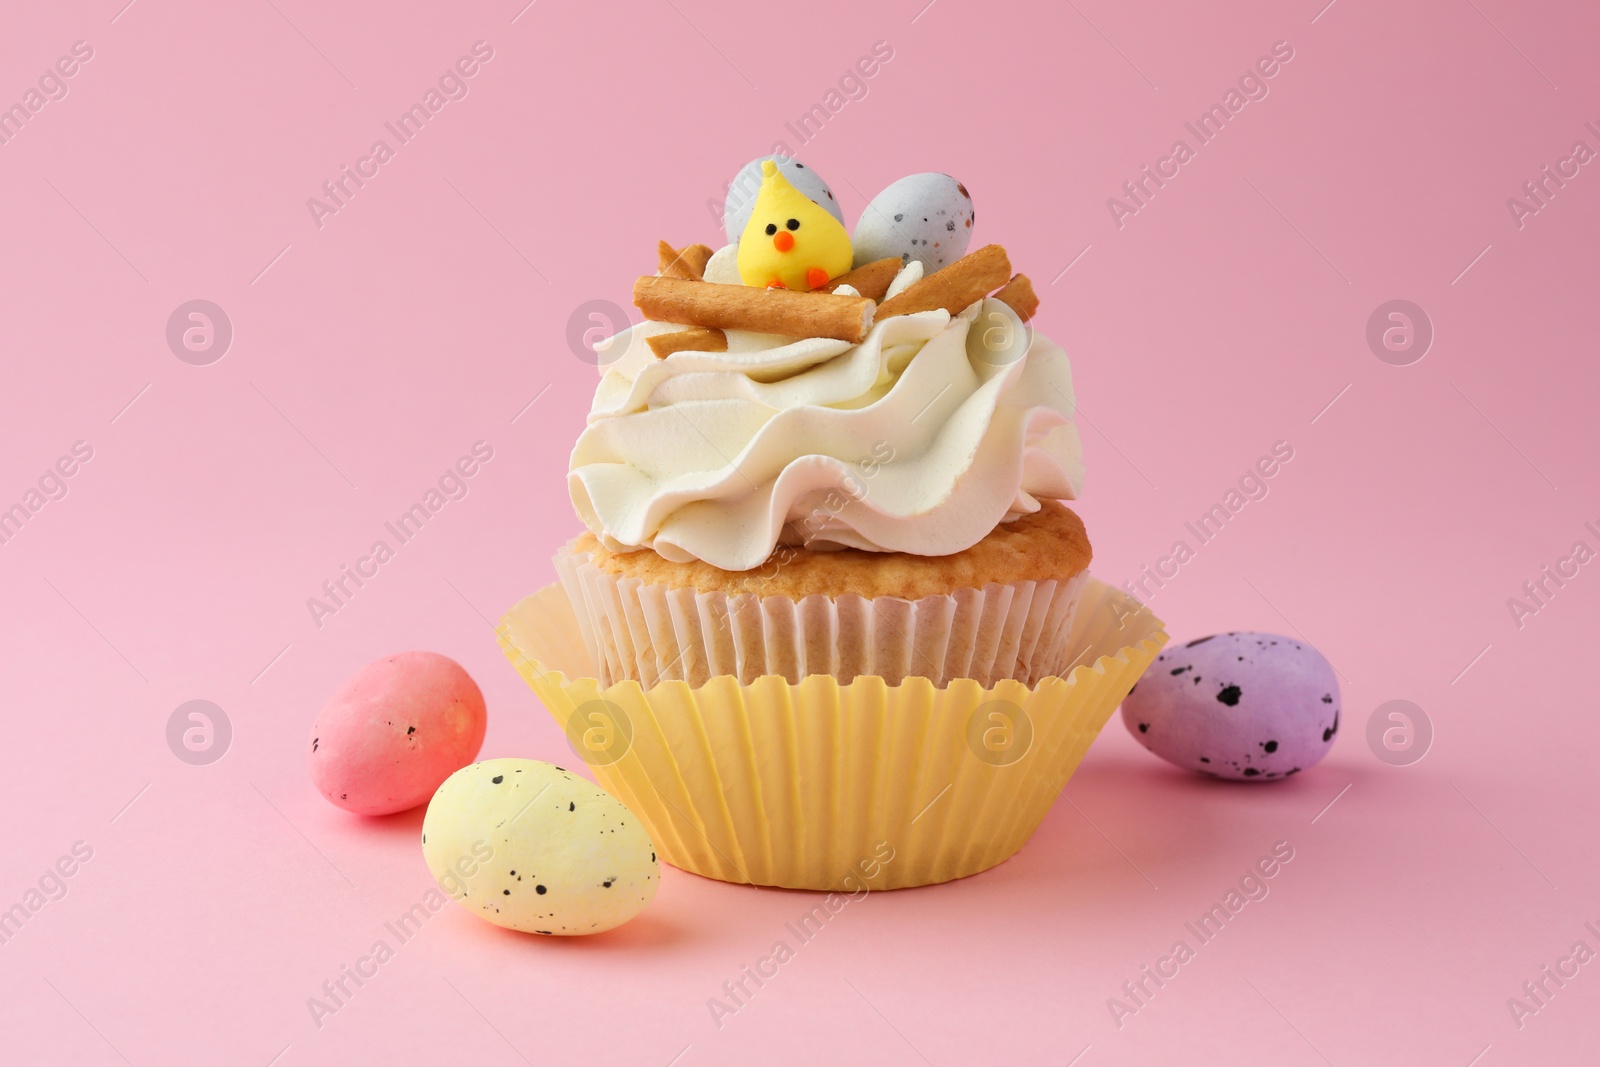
[1252, 706]
[923, 217]
[534, 847]
[741, 194]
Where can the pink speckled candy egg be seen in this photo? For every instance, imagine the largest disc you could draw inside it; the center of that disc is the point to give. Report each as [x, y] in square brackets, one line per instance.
[1251, 706]
[394, 731]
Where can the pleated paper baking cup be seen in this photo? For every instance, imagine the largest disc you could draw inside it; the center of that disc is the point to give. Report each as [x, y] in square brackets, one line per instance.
[654, 633]
[827, 785]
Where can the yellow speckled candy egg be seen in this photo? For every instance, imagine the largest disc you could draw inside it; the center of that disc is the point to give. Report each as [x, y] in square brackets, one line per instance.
[534, 847]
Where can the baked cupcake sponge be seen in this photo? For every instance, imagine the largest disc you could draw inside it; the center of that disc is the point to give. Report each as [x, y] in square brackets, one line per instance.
[1050, 543]
[1001, 609]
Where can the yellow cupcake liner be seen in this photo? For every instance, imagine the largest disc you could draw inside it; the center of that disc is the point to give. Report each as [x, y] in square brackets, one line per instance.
[818, 785]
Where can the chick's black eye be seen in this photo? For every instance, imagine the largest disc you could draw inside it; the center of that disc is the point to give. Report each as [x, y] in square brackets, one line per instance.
[794, 224]
[771, 229]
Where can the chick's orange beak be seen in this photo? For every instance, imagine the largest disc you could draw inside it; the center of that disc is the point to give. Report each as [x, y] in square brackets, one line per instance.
[783, 240]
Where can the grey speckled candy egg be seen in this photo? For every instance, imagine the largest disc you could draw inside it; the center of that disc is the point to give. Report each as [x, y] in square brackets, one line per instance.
[1255, 707]
[741, 193]
[926, 217]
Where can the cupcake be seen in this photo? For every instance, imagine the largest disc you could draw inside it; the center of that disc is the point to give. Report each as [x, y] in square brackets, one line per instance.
[824, 509]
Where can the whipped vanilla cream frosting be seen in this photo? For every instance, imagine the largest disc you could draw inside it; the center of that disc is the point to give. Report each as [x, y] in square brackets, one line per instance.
[922, 438]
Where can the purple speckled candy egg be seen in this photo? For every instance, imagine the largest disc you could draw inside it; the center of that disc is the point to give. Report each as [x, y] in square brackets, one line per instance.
[1249, 706]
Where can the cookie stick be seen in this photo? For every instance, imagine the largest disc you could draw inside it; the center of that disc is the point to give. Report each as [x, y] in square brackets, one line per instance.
[689, 264]
[1018, 295]
[743, 307]
[973, 276]
[693, 339]
[871, 280]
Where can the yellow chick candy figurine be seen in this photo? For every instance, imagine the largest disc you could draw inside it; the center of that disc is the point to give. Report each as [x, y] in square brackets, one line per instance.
[790, 242]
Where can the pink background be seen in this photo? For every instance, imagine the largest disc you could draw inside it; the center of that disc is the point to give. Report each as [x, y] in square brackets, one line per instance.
[427, 314]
